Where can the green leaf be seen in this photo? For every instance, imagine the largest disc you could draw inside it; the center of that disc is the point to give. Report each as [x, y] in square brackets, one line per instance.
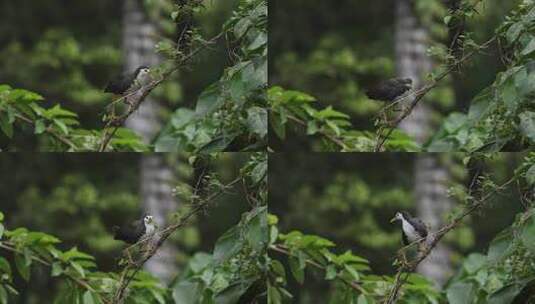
[474, 262]
[257, 121]
[5, 267]
[228, 245]
[3, 295]
[530, 48]
[500, 246]
[505, 295]
[56, 269]
[528, 235]
[460, 293]
[514, 32]
[274, 296]
[1, 216]
[62, 126]
[6, 127]
[22, 267]
[296, 269]
[87, 298]
[186, 292]
[278, 125]
[40, 126]
[530, 175]
[527, 125]
[330, 272]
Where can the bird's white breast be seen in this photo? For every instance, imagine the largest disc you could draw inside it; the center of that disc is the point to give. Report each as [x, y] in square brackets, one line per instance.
[150, 229]
[410, 232]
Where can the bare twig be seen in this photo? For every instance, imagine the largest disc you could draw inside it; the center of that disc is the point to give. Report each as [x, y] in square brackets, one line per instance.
[383, 137]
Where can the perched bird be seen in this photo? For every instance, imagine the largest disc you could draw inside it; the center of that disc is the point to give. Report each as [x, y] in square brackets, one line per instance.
[412, 228]
[128, 83]
[390, 90]
[135, 231]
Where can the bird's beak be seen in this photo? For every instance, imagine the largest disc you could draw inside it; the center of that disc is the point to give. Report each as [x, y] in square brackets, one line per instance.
[393, 219]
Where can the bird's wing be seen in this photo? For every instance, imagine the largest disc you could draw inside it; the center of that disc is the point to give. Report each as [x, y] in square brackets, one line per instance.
[120, 84]
[419, 226]
[404, 238]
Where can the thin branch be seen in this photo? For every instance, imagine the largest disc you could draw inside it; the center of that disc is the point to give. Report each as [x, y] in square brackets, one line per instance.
[435, 239]
[130, 271]
[382, 138]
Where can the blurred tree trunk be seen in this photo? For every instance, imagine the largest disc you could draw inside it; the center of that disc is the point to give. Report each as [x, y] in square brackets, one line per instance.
[432, 202]
[412, 62]
[138, 50]
[431, 179]
[156, 192]
[156, 176]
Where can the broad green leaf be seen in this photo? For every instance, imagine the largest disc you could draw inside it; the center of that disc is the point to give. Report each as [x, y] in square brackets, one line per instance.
[186, 293]
[39, 126]
[530, 175]
[474, 262]
[460, 293]
[56, 269]
[296, 269]
[528, 235]
[5, 267]
[500, 246]
[257, 121]
[330, 272]
[228, 245]
[527, 125]
[22, 267]
[3, 295]
[87, 298]
[505, 295]
[6, 127]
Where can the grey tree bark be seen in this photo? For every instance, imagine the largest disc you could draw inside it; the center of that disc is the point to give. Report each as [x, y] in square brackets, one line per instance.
[431, 179]
[155, 176]
[432, 202]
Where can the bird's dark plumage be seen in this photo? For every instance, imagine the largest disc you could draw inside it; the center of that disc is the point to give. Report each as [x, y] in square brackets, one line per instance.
[418, 225]
[389, 90]
[120, 84]
[129, 233]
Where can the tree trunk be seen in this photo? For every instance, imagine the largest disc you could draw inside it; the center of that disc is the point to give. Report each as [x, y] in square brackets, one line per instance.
[432, 202]
[156, 177]
[138, 48]
[412, 62]
[156, 192]
[431, 178]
